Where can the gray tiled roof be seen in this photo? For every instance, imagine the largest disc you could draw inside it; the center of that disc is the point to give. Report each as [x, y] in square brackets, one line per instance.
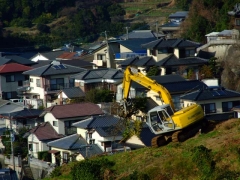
[171, 78]
[109, 131]
[96, 122]
[73, 92]
[105, 73]
[170, 43]
[209, 93]
[16, 59]
[138, 34]
[49, 70]
[172, 60]
[25, 113]
[90, 150]
[71, 142]
[51, 55]
[179, 14]
[41, 63]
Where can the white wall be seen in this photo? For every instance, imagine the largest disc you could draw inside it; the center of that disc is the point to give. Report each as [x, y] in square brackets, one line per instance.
[36, 144]
[50, 118]
[38, 57]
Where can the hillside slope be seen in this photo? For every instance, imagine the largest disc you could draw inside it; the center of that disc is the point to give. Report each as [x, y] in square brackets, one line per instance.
[211, 155]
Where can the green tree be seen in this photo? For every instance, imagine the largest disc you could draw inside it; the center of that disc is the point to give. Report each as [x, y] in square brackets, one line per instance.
[153, 71]
[99, 95]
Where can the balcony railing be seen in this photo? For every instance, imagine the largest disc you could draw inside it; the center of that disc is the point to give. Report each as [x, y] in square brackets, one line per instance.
[52, 87]
[128, 55]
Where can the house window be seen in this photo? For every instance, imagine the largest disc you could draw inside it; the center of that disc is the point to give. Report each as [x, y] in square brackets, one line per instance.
[92, 141]
[57, 83]
[8, 95]
[189, 52]
[162, 51]
[101, 57]
[26, 77]
[237, 21]
[31, 79]
[20, 83]
[209, 108]
[10, 78]
[38, 83]
[30, 147]
[227, 106]
[90, 135]
[65, 157]
[55, 123]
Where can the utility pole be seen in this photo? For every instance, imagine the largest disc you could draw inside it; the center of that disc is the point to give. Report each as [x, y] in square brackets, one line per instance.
[127, 32]
[157, 28]
[108, 54]
[11, 140]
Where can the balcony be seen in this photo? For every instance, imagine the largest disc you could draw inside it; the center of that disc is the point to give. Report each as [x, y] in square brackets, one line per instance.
[129, 55]
[53, 87]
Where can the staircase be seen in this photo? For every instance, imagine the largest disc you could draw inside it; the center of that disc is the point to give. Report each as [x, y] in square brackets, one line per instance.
[27, 172]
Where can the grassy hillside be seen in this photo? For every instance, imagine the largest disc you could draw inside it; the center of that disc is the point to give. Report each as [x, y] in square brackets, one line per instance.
[211, 155]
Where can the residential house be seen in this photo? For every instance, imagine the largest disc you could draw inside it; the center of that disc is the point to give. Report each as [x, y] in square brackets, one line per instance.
[170, 55]
[170, 82]
[236, 110]
[23, 118]
[131, 49]
[39, 136]
[235, 16]
[13, 58]
[11, 78]
[105, 131]
[214, 100]
[173, 26]
[46, 81]
[219, 42]
[63, 116]
[50, 55]
[98, 78]
[140, 34]
[73, 147]
[68, 94]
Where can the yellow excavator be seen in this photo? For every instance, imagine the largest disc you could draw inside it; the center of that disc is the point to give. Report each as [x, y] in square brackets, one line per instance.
[164, 121]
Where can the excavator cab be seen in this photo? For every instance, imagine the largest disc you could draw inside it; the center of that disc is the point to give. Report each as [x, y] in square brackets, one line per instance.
[159, 119]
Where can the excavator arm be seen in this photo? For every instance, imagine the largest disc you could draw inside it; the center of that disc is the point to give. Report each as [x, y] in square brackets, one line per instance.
[132, 74]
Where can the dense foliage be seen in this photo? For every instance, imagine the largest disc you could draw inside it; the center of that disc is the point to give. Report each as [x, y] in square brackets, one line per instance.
[206, 16]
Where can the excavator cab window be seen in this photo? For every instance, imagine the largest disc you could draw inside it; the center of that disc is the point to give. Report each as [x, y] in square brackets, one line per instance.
[155, 121]
[169, 110]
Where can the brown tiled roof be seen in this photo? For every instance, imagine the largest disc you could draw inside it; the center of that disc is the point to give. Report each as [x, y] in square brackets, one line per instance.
[67, 55]
[13, 67]
[74, 110]
[45, 131]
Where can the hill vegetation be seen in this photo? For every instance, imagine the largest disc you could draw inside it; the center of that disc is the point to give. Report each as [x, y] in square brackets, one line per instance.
[53, 23]
[213, 155]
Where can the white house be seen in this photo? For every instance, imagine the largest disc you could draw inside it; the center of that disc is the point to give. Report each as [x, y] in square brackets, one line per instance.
[39, 136]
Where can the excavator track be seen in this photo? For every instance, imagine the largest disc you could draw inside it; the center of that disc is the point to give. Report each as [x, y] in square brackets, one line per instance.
[178, 136]
[158, 141]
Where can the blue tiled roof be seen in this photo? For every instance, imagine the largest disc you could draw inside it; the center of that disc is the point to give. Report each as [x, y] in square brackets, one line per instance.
[90, 150]
[105, 73]
[138, 34]
[179, 14]
[15, 59]
[208, 94]
[171, 24]
[97, 121]
[25, 113]
[71, 142]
